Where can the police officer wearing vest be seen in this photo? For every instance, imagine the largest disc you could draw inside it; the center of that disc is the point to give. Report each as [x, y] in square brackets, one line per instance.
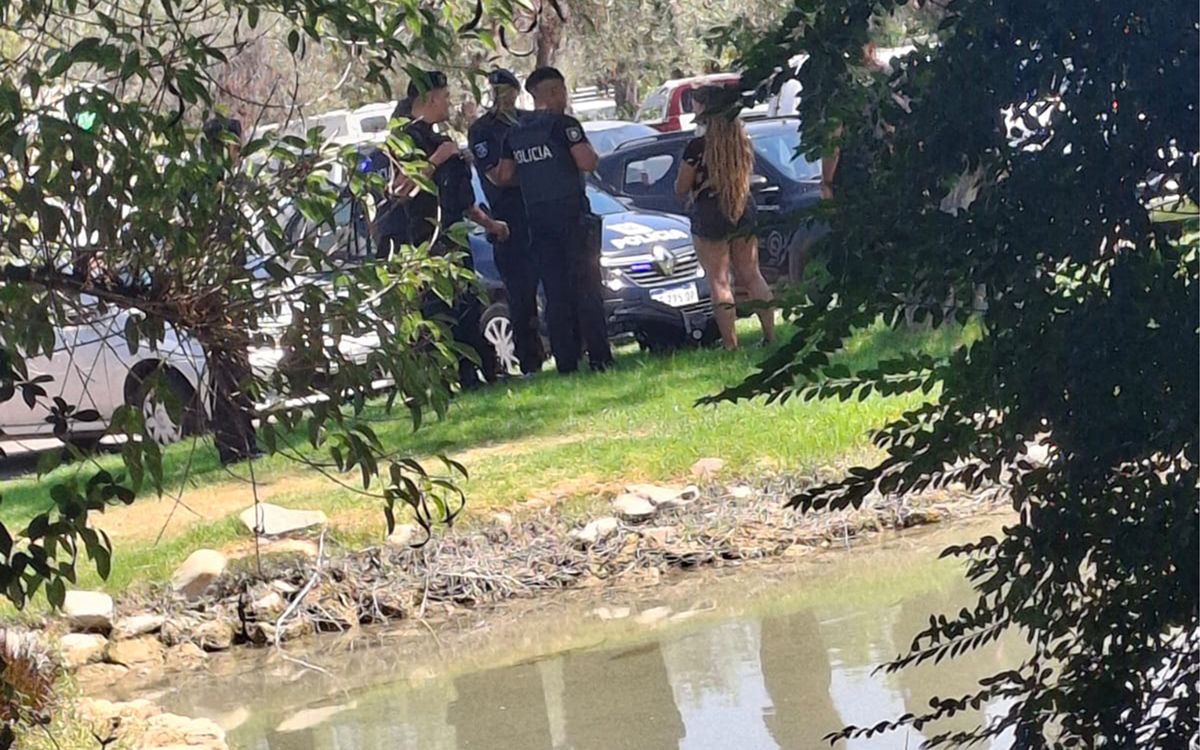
[514, 257]
[429, 217]
[548, 154]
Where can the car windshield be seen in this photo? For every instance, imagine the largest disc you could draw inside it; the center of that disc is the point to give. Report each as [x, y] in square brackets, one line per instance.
[779, 148]
[602, 203]
[654, 108]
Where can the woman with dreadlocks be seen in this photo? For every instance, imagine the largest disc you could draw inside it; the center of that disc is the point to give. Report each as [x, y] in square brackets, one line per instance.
[715, 178]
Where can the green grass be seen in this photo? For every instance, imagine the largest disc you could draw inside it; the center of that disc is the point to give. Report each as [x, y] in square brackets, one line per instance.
[566, 436]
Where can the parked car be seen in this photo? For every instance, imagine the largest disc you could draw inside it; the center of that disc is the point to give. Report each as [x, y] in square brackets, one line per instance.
[93, 368]
[643, 173]
[655, 291]
[670, 107]
[606, 135]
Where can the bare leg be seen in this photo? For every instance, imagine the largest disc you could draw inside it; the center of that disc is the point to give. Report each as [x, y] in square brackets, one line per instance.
[744, 252]
[714, 258]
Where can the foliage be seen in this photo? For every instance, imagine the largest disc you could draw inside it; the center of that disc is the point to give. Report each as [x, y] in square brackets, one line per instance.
[114, 201]
[1090, 334]
[28, 676]
[635, 45]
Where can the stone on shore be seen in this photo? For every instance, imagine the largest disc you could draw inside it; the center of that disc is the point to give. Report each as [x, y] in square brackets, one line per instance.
[633, 507]
[215, 635]
[267, 519]
[403, 535]
[132, 627]
[79, 649]
[707, 468]
[100, 675]
[198, 572]
[134, 652]
[595, 531]
[89, 611]
[167, 730]
[185, 656]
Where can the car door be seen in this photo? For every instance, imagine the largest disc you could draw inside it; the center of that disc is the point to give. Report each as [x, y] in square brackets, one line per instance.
[78, 374]
[646, 176]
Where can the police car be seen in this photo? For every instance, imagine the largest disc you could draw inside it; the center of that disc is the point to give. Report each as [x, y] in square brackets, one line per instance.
[655, 291]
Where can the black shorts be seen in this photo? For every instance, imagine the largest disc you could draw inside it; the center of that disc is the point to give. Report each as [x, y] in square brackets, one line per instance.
[710, 223]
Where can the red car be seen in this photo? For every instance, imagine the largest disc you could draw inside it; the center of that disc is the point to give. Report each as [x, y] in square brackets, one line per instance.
[670, 107]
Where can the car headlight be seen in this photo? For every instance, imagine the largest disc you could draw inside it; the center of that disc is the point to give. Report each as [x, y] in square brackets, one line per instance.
[613, 279]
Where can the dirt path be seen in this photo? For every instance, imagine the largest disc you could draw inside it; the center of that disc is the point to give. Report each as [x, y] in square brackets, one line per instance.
[168, 517]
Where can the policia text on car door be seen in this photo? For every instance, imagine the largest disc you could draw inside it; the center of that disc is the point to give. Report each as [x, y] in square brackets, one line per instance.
[548, 154]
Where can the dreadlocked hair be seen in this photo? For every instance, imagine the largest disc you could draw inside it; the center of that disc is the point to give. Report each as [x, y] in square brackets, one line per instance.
[729, 158]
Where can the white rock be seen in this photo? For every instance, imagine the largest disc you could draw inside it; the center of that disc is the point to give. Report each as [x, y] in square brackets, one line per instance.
[89, 610]
[132, 627]
[198, 572]
[706, 468]
[273, 520]
[655, 494]
[81, 648]
[403, 535]
[503, 519]
[740, 492]
[596, 531]
[633, 507]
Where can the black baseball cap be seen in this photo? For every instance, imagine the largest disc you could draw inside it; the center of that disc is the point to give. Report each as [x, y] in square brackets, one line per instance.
[719, 101]
[218, 125]
[542, 74]
[426, 80]
[503, 77]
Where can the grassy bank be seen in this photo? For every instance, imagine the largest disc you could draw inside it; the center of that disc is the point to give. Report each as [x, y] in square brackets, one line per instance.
[526, 444]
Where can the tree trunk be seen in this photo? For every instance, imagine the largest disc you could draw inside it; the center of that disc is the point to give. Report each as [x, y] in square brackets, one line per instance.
[549, 33]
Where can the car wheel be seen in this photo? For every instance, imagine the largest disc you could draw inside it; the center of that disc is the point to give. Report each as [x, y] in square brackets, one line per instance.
[85, 444]
[498, 332]
[797, 257]
[161, 426]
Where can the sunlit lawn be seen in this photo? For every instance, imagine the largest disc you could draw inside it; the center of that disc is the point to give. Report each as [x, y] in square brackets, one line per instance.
[565, 438]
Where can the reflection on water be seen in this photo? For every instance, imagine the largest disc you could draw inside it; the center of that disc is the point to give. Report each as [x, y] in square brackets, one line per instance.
[756, 678]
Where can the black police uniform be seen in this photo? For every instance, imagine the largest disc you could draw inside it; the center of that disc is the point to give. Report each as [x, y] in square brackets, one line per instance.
[454, 197]
[559, 215]
[514, 257]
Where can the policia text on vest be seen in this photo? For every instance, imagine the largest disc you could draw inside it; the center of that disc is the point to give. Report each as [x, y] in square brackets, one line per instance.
[547, 154]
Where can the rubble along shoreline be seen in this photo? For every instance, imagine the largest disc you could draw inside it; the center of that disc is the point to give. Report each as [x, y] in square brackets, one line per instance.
[652, 531]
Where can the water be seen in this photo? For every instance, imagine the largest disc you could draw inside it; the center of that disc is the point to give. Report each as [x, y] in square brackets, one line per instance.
[749, 658]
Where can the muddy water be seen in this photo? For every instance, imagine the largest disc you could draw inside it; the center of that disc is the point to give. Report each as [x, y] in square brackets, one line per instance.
[742, 658]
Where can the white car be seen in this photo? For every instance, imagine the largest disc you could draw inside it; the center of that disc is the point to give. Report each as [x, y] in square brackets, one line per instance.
[94, 368]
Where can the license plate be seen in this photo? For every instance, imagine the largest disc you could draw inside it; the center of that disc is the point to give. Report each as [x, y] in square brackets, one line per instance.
[676, 296]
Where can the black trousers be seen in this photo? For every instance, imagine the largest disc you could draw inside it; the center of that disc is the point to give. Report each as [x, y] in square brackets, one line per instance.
[519, 271]
[574, 288]
[232, 408]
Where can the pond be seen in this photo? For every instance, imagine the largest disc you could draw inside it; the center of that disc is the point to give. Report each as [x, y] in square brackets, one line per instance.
[751, 657]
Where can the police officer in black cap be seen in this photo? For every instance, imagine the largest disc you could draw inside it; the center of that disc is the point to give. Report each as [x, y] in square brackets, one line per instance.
[548, 155]
[428, 216]
[514, 257]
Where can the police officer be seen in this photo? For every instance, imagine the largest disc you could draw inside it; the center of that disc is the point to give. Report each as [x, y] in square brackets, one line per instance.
[429, 216]
[514, 257]
[548, 155]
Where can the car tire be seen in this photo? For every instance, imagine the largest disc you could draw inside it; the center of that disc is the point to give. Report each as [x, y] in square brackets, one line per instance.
[160, 425]
[85, 444]
[797, 258]
[496, 326]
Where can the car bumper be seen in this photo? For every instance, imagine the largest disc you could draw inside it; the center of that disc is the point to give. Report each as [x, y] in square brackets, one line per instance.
[631, 311]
